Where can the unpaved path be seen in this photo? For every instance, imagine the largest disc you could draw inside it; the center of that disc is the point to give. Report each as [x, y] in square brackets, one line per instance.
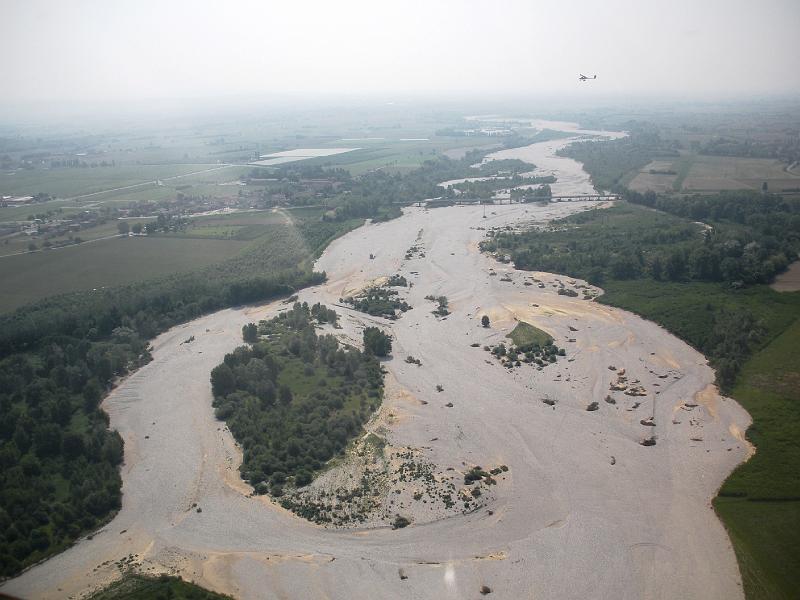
[564, 523]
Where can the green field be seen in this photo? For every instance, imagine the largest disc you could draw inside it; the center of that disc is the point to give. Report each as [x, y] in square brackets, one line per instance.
[760, 501]
[242, 226]
[35, 275]
[69, 182]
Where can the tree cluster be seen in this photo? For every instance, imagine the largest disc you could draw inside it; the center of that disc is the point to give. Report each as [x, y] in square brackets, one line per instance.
[294, 399]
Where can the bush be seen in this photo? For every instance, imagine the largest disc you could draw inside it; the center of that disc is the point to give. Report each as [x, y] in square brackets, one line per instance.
[400, 522]
[376, 342]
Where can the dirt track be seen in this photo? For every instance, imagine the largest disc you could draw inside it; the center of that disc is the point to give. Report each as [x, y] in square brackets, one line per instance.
[564, 523]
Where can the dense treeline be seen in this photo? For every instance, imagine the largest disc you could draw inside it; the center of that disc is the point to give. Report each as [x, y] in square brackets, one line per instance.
[754, 236]
[59, 357]
[294, 398]
[626, 242]
[617, 243]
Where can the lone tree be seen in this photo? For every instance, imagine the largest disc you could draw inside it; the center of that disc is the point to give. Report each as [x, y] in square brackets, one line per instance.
[485, 321]
[123, 227]
[376, 342]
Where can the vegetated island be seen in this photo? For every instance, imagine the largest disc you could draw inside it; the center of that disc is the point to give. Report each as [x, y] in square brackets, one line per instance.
[294, 399]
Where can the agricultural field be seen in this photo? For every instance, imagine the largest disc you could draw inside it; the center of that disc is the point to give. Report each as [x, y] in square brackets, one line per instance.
[65, 182]
[114, 259]
[658, 176]
[712, 173]
[19, 243]
[240, 226]
[789, 280]
[35, 275]
[699, 173]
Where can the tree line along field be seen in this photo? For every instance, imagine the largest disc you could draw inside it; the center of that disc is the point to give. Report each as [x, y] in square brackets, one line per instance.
[706, 157]
[122, 260]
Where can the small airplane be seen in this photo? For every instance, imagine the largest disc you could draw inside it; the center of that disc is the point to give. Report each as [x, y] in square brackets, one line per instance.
[585, 78]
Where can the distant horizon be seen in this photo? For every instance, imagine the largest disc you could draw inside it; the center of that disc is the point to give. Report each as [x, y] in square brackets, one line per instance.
[233, 106]
[88, 55]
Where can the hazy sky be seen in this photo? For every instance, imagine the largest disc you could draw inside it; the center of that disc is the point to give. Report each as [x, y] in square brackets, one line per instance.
[110, 50]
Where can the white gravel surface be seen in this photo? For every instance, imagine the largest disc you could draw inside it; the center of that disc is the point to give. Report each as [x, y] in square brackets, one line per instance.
[584, 511]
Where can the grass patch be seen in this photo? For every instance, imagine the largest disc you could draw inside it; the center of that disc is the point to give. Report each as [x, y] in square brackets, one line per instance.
[525, 336]
[764, 536]
[760, 501]
[683, 165]
[143, 587]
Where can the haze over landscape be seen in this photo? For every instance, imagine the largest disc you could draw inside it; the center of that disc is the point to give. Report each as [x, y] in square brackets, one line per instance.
[132, 52]
[414, 300]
